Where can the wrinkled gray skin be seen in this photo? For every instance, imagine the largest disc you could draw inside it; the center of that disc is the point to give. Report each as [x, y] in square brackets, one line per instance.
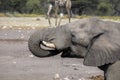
[102, 41]
[96, 40]
[60, 36]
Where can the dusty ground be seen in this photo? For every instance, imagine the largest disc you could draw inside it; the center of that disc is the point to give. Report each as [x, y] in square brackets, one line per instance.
[17, 62]
[29, 21]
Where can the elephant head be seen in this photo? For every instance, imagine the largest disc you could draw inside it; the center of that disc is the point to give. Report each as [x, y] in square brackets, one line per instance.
[100, 38]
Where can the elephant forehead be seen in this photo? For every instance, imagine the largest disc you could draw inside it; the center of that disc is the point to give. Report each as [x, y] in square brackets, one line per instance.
[84, 24]
[82, 28]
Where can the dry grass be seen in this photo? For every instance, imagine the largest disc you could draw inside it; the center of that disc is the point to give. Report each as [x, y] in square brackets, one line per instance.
[2, 15]
[19, 15]
[22, 27]
[65, 16]
[99, 77]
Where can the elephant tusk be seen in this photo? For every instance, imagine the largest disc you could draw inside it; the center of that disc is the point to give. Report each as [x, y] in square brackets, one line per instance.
[48, 44]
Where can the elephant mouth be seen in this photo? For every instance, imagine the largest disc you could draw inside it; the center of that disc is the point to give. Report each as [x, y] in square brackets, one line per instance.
[47, 45]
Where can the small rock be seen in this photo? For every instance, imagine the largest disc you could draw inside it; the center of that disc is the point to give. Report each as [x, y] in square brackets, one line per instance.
[14, 62]
[19, 31]
[31, 56]
[57, 77]
[66, 78]
[82, 79]
[4, 27]
[37, 19]
[76, 68]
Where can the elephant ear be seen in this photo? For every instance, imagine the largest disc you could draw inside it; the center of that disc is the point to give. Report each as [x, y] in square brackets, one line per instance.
[103, 51]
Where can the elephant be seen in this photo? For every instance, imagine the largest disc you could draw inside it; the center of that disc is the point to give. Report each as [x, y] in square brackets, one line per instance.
[95, 40]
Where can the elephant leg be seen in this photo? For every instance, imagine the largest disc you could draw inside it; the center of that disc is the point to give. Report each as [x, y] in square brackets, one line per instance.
[34, 45]
[113, 71]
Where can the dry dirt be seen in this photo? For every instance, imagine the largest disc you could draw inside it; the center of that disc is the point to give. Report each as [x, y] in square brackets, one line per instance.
[29, 21]
[17, 62]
